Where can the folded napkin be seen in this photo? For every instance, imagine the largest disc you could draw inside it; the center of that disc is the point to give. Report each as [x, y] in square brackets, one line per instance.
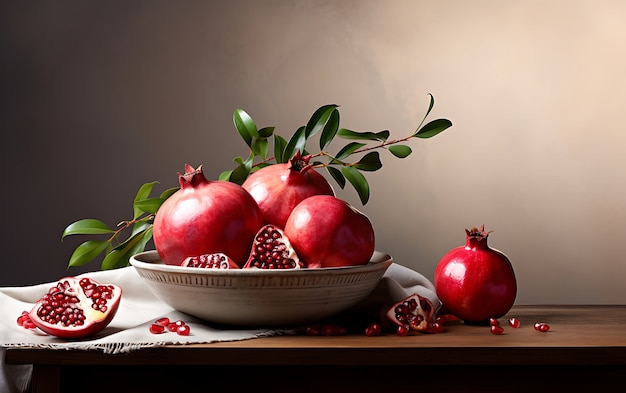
[139, 308]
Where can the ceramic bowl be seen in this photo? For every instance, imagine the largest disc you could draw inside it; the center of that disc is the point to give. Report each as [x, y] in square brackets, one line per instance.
[254, 297]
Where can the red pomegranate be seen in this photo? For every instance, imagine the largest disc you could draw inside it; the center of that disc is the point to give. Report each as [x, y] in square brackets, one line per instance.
[206, 217]
[476, 282]
[278, 188]
[76, 307]
[327, 231]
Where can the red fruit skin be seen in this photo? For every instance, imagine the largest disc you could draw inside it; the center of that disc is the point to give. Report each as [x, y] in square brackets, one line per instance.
[206, 217]
[92, 326]
[279, 188]
[326, 231]
[475, 282]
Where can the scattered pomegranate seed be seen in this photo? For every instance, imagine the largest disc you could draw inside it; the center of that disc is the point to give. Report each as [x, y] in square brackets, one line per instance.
[403, 330]
[157, 328]
[24, 321]
[494, 322]
[514, 323]
[313, 330]
[163, 321]
[162, 324]
[437, 327]
[183, 330]
[496, 329]
[373, 329]
[542, 327]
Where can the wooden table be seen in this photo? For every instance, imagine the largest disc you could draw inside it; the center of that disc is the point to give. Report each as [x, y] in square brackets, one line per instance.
[585, 350]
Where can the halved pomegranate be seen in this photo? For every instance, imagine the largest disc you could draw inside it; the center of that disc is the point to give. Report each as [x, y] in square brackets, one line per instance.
[76, 307]
[216, 260]
[272, 249]
[415, 313]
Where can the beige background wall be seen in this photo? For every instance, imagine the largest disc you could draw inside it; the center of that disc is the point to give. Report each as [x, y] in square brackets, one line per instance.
[99, 98]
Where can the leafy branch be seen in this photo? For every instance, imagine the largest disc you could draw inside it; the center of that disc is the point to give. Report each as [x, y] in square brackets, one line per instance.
[342, 166]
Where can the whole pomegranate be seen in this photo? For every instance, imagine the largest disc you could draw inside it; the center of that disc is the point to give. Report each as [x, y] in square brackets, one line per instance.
[206, 217]
[76, 307]
[278, 188]
[326, 231]
[476, 282]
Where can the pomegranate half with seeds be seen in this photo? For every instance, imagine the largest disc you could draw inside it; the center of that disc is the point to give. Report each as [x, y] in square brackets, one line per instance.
[216, 260]
[272, 250]
[76, 307]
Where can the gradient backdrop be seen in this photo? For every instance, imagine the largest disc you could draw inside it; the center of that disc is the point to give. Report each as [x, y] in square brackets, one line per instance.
[101, 97]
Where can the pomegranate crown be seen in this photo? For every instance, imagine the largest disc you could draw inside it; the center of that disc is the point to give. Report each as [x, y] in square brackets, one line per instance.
[300, 163]
[192, 176]
[477, 233]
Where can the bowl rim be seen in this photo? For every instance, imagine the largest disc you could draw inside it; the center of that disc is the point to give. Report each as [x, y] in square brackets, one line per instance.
[150, 260]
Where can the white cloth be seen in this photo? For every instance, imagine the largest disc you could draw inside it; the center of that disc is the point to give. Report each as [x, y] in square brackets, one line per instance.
[139, 308]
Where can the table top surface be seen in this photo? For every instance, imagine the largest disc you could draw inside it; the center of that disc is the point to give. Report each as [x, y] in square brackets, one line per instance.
[586, 334]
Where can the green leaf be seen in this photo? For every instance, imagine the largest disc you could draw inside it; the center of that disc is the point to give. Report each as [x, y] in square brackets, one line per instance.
[225, 175]
[358, 181]
[370, 136]
[240, 174]
[119, 256]
[430, 108]
[245, 126]
[88, 226]
[295, 144]
[169, 192]
[266, 132]
[330, 129]
[141, 226]
[150, 205]
[260, 147]
[280, 144]
[87, 251]
[348, 149]
[145, 190]
[336, 174]
[319, 119]
[433, 128]
[400, 151]
[370, 162]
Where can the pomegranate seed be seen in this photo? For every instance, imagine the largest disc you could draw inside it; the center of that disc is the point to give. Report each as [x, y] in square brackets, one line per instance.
[163, 321]
[183, 330]
[403, 330]
[373, 330]
[28, 324]
[514, 323]
[328, 329]
[312, 331]
[542, 327]
[437, 327]
[496, 329]
[494, 322]
[155, 328]
[172, 326]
